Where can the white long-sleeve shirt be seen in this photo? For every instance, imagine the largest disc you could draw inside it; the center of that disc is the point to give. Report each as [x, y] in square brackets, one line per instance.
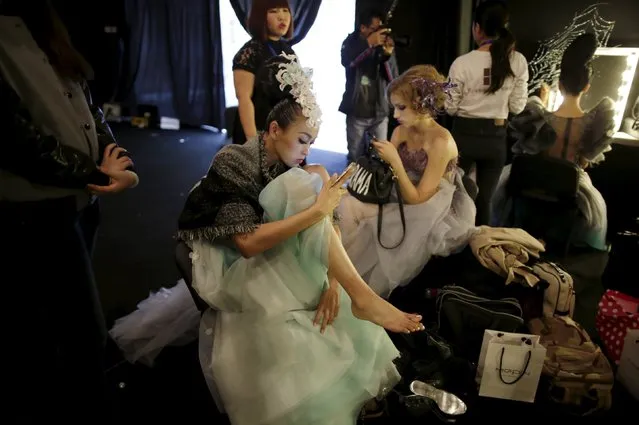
[471, 74]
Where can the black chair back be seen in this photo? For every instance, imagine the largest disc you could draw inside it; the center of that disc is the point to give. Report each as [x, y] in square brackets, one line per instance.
[184, 265]
[544, 178]
[544, 193]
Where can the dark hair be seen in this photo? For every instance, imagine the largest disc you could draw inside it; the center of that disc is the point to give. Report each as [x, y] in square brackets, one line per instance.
[492, 17]
[366, 17]
[48, 30]
[576, 68]
[284, 109]
[284, 113]
[257, 18]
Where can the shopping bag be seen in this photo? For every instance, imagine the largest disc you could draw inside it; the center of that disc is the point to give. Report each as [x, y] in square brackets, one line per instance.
[628, 372]
[510, 366]
[617, 313]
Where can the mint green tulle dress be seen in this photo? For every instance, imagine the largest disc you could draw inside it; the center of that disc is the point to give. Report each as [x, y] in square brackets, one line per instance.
[270, 365]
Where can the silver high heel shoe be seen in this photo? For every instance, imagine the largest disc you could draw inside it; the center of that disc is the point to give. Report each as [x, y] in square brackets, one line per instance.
[448, 403]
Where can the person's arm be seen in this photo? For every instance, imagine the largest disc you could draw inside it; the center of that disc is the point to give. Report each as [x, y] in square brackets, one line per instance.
[244, 82]
[356, 50]
[519, 96]
[246, 63]
[389, 68]
[455, 93]
[269, 235]
[438, 158]
[39, 158]
[601, 132]
[103, 130]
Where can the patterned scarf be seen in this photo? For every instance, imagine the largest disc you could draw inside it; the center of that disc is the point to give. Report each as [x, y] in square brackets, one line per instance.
[226, 201]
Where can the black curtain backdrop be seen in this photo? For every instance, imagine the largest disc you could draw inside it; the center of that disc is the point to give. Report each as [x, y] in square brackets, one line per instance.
[96, 30]
[433, 30]
[304, 14]
[431, 25]
[174, 59]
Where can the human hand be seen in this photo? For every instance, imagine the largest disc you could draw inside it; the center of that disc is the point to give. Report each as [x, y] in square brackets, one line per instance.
[544, 93]
[112, 161]
[387, 151]
[389, 46]
[331, 194]
[119, 181]
[377, 38]
[328, 307]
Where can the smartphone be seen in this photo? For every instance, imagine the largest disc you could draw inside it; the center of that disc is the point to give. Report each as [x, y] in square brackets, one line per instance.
[341, 177]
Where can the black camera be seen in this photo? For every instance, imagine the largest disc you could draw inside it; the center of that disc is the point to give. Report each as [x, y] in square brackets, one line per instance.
[399, 40]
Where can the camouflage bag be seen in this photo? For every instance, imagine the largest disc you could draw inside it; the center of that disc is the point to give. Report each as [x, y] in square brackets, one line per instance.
[580, 375]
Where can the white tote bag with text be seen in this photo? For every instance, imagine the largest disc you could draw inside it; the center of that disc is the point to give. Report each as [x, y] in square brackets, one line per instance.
[510, 366]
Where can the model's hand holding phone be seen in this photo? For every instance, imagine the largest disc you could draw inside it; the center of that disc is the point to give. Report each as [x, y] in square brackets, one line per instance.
[346, 174]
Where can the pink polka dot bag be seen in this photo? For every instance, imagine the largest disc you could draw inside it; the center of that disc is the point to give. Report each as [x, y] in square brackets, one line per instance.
[617, 313]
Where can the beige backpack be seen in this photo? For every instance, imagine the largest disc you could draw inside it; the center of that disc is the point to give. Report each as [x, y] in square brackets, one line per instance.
[580, 374]
[559, 296]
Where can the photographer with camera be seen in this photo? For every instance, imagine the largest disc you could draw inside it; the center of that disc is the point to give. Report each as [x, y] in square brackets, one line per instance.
[369, 59]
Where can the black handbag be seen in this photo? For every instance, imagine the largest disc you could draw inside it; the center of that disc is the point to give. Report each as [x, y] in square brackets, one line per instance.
[373, 182]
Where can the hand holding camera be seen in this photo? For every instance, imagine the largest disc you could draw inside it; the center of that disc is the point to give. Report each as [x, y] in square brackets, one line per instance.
[378, 38]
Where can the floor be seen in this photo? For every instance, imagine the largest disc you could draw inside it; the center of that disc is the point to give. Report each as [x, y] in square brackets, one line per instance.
[135, 255]
[135, 252]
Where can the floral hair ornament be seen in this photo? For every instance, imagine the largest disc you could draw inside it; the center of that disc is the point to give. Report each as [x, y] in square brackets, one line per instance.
[428, 92]
[291, 74]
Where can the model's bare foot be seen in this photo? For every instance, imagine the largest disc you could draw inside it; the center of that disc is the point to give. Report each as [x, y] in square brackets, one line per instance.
[380, 312]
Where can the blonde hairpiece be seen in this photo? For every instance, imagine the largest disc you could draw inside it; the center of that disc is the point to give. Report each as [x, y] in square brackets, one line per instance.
[291, 74]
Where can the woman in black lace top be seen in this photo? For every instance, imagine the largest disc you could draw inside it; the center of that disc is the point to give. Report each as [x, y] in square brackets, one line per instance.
[270, 24]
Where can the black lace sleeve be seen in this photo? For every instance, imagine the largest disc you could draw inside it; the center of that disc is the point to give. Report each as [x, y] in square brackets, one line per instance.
[601, 127]
[39, 158]
[249, 57]
[530, 131]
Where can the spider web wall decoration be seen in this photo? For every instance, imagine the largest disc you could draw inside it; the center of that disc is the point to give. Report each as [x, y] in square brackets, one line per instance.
[546, 63]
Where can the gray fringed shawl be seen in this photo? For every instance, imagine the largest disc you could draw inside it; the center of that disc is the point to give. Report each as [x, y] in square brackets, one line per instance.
[533, 132]
[226, 201]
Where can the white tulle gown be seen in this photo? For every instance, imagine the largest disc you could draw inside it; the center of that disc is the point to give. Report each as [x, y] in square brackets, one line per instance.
[266, 362]
[438, 227]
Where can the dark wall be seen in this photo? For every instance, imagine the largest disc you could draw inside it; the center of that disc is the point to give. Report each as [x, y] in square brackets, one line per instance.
[432, 26]
[533, 21]
[86, 22]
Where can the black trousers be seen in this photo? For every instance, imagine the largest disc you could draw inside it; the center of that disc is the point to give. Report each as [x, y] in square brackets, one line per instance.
[481, 144]
[54, 330]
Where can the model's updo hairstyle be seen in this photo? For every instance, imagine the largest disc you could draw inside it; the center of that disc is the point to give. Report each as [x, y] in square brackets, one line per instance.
[284, 109]
[576, 64]
[423, 87]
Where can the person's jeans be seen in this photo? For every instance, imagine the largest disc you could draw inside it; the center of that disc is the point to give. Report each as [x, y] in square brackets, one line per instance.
[482, 145]
[355, 129]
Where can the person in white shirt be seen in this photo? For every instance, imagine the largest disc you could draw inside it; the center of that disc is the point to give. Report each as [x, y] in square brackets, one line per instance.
[490, 82]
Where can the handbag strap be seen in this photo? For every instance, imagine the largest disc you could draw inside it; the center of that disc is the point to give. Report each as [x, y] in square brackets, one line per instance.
[522, 372]
[380, 217]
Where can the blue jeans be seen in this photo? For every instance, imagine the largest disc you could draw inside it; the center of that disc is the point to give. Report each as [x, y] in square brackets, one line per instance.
[355, 129]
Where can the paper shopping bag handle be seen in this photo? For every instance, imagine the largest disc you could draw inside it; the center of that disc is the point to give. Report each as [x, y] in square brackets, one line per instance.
[523, 371]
